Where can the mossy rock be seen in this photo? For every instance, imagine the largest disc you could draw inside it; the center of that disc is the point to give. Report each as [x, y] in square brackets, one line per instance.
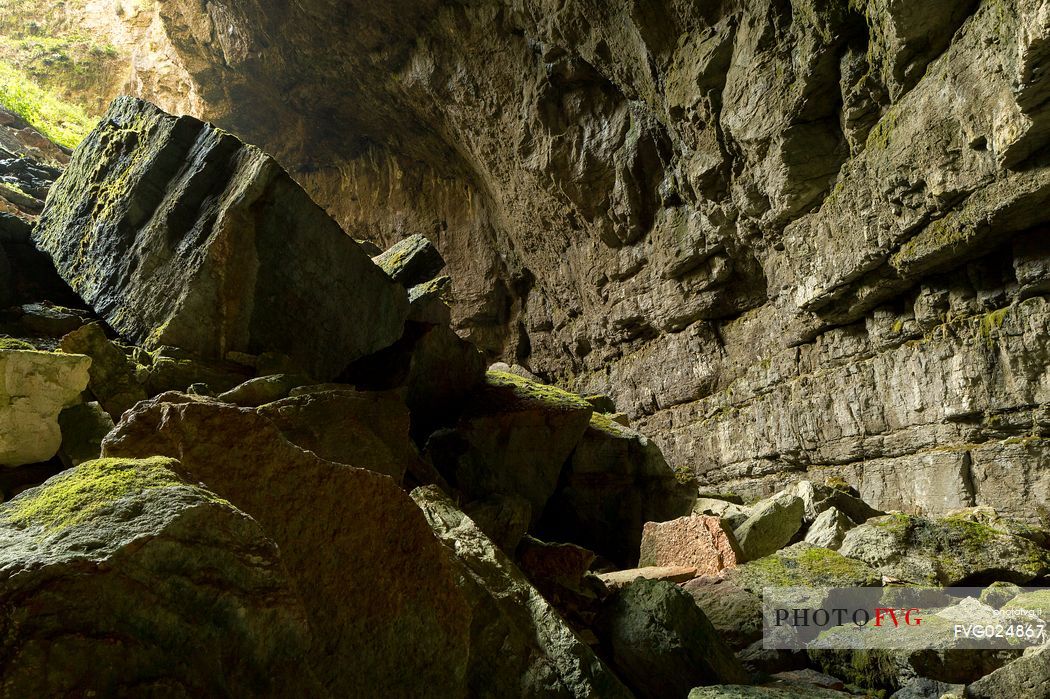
[78, 494]
[804, 565]
[952, 551]
[10, 343]
[509, 392]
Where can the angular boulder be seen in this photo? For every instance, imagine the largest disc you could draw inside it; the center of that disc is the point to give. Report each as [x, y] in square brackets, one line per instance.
[503, 518]
[951, 551]
[615, 482]
[699, 541]
[385, 613]
[513, 439]
[172, 369]
[662, 644]
[177, 233]
[770, 526]
[519, 646]
[363, 429]
[412, 261]
[112, 374]
[829, 529]
[426, 302]
[112, 570]
[34, 388]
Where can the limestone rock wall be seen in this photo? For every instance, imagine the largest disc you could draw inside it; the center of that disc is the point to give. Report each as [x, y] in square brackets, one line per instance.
[783, 235]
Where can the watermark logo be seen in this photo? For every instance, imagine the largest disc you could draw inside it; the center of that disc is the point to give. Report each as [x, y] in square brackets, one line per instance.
[905, 618]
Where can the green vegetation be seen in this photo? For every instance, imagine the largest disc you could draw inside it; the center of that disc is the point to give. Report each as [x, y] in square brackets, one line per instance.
[804, 566]
[10, 343]
[63, 123]
[525, 391]
[604, 423]
[77, 494]
[54, 73]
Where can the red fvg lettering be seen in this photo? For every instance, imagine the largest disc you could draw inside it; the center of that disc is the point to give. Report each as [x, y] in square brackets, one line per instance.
[908, 619]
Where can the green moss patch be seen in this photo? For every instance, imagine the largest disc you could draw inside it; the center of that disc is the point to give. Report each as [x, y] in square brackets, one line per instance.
[75, 495]
[10, 343]
[512, 392]
[803, 565]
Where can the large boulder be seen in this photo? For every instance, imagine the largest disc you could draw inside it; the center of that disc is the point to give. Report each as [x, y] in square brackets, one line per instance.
[177, 233]
[699, 541]
[770, 526]
[412, 261]
[662, 644]
[117, 578]
[615, 482]
[385, 613]
[34, 388]
[112, 375]
[364, 429]
[829, 529]
[882, 657]
[519, 646]
[513, 439]
[955, 550]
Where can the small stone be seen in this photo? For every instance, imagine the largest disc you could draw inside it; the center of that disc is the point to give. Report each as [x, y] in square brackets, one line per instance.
[732, 514]
[50, 321]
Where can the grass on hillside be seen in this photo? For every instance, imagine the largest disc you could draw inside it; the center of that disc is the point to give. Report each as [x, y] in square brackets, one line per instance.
[64, 123]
